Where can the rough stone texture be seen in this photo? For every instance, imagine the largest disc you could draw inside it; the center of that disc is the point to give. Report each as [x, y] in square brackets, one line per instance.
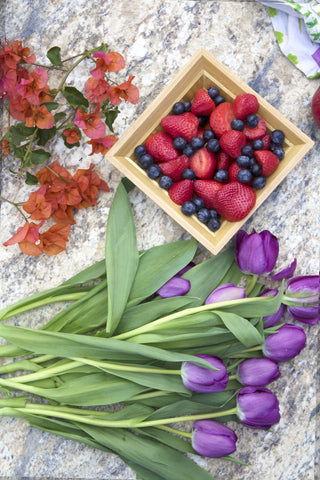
[157, 38]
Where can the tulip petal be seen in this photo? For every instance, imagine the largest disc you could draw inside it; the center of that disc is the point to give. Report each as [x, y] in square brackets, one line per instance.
[225, 292]
[285, 273]
[174, 287]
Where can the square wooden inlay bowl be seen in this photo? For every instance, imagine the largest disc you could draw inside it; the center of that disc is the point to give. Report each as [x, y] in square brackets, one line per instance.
[203, 71]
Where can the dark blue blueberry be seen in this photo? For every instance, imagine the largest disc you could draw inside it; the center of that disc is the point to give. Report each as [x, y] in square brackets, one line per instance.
[252, 120]
[219, 99]
[178, 108]
[188, 150]
[221, 176]
[214, 224]
[244, 175]
[199, 203]
[202, 120]
[188, 208]
[179, 143]
[277, 136]
[256, 169]
[259, 182]
[243, 161]
[214, 213]
[208, 135]
[145, 161]
[140, 150]
[196, 143]
[165, 182]
[213, 145]
[213, 92]
[257, 144]
[204, 215]
[154, 172]
[279, 152]
[188, 174]
[247, 150]
[187, 106]
[237, 124]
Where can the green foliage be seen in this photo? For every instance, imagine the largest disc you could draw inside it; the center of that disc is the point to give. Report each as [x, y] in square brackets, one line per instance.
[54, 55]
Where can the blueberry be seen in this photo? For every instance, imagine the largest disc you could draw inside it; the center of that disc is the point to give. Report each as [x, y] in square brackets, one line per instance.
[219, 99]
[204, 215]
[196, 143]
[145, 161]
[252, 120]
[165, 182]
[208, 135]
[247, 150]
[221, 176]
[214, 224]
[140, 150]
[188, 208]
[214, 213]
[244, 175]
[277, 136]
[243, 161]
[154, 172]
[213, 145]
[188, 174]
[279, 152]
[199, 203]
[259, 182]
[237, 124]
[187, 106]
[178, 108]
[257, 144]
[188, 150]
[256, 169]
[179, 143]
[213, 92]
[202, 120]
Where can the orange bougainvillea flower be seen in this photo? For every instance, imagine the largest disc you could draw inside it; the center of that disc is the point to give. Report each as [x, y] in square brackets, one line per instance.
[4, 147]
[96, 90]
[40, 117]
[54, 175]
[28, 239]
[54, 240]
[72, 135]
[90, 123]
[102, 145]
[89, 184]
[110, 62]
[64, 214]
[37, 205]
[20, 109]
[31, 87]
[126, 90]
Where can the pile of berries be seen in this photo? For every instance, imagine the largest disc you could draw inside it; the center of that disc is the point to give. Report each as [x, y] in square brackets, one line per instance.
[212, 155]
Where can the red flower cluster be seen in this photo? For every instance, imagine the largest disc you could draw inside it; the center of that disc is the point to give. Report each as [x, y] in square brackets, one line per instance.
[60, 193]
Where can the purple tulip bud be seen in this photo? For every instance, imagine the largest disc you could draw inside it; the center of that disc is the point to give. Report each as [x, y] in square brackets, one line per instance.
[285, 273]
[256, 253]
[213, 439]
[225, 292]
[258, 407]
[285, 344]
[271, 320]
[174, 287]
[200, 379]
[308, 286]
[257, 372]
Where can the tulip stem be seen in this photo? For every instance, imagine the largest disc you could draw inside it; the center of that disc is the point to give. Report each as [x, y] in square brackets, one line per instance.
[251, 282]
[248, 350]
[234, 365]
[175, 431]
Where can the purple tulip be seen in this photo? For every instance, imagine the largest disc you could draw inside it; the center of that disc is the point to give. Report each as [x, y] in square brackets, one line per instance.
[271, 320]
[176, 286]
[200, 379]
[286, 272]
[257, 372]
[213, 439]
[256, 253]
[285, 344]
[257, 407]
[307, 285]
[225, 292]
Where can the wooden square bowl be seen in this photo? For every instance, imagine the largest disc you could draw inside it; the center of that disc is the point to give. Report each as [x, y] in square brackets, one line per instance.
[203, 71]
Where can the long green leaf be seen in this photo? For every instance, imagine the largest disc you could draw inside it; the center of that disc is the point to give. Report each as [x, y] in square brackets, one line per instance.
[241, 328]
[122, 256]
[95, 271]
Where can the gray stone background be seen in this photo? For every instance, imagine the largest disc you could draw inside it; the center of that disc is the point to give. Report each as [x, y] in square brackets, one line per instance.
[157, 38]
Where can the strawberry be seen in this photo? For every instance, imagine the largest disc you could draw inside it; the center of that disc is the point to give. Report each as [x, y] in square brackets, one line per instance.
[233, 172]
[257, 132]
[160, 147]
[207, 190]
[244, 105]
[266, 140]
[234, 201]
[175, 167]
[184, 125]
[202, 103]
[223, 160]
[221, 118]
[200, 132]
[232, 142]
[268, 161]
[203, 163]
[181, 192]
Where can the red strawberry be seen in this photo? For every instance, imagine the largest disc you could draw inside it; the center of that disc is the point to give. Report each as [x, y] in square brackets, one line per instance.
[160, 147]
[245, 104]
[234, 201]
[233, 172]
[202, 103]
[257, 132]
[200, 132]
[268, 161]
[184, 125]
[181, 192]
[221, 118]
[203, 163]
[223, 160]
[207, 190]
[175, 167]
[232, 142]
[266, 140]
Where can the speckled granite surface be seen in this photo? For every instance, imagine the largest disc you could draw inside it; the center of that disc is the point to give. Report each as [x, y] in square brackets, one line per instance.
[156, 38]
